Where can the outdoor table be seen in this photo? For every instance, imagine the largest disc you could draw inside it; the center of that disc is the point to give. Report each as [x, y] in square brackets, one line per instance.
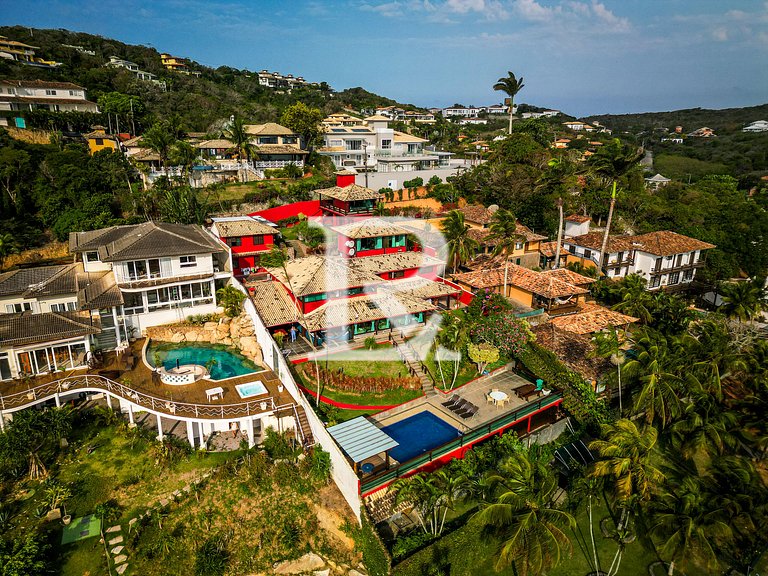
[368, 468]
[211, 393]
[522, 391]
[528, 393]
[499, 397]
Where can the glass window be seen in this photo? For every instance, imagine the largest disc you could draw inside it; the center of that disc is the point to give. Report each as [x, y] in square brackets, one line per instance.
[42, 360]
[519, 245]
[258, 240]
[197, 292]
[92, 256]
[5, 367]
[315, 297]
[234, 241]
[688, 275]
[61, 357]
[398, 241]
[154, 268]
[152, 297]
[587, 253]
[674, 278]
[187, 261]
[21, 307]
[397, 274]
[186, 292]
[206, 289]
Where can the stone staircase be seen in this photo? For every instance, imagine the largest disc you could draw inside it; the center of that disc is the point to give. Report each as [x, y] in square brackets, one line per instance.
[414, 364]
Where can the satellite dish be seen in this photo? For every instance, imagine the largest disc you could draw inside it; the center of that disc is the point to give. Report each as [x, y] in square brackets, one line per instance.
[350, 244]
[351, 252]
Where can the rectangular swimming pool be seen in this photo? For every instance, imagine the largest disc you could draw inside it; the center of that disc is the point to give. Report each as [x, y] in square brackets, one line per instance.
[418, 434]
[251, 389]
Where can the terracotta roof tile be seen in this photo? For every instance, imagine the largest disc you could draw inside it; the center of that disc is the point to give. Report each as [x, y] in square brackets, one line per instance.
[369, 228]
[662, 243]
[578, 218]
[523, 278]
[569, 276]
[349, 193]
[592, 318]
[574, 350]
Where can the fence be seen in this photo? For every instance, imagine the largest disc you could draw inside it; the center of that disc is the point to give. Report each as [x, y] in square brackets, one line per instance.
[465, 440]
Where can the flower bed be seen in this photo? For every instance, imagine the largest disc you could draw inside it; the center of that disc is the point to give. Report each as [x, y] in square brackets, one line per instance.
[340, 381]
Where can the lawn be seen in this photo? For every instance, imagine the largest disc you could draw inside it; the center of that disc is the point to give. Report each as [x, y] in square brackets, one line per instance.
[465, 552]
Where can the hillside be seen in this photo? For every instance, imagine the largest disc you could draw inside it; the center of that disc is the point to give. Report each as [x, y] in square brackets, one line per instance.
[200, 102]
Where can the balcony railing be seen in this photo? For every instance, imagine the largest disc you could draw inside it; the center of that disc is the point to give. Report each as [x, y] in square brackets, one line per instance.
[680, 268]
[620, 263]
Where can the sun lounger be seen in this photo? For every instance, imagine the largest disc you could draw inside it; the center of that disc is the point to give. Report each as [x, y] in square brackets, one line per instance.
[470, 411]
[452, 400]
[462, 405]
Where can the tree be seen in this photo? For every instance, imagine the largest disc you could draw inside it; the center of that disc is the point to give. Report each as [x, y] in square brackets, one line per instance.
[305, 121]
[482, 354]
[609, 345]
[160, 140]
[185, 155]
[23, 557]
[522, 514]
[231, 299]
[8, 246]
[237, 133]
[432, 496]
[510, 85]
[612, 162]
[742, 300]
[504, 234]
[459, 244]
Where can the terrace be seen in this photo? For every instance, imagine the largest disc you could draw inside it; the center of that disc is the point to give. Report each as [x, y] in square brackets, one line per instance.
[136, 382]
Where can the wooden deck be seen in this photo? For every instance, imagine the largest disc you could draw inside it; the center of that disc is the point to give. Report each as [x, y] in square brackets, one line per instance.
[142, 385]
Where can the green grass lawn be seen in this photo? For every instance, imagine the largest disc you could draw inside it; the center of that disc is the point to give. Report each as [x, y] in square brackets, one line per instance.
[465, 552]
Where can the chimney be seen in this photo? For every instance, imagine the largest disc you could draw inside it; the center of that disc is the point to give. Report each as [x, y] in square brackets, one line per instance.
[345, 178]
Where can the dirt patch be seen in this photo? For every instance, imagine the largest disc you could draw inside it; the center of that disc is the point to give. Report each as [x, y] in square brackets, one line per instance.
[332, 510]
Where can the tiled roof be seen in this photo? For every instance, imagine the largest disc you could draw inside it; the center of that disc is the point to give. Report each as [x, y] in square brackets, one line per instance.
[578, 218]
[349, 193]
[575, 350]
[345, 311]
[268, 129]
[662, 243]
[418, 287]
[548, 249]
[279, 149]
[27, 328]
[318, 274]
[392, 262]
[98, 290]
[273, 303]
[242, 227]
[147, 240]
[569, 276]
[519, 277]
[477, 214]
[42, 84]
[403, 137]
[217, 143]
[369, 228]
[592, 318]
[40, 281]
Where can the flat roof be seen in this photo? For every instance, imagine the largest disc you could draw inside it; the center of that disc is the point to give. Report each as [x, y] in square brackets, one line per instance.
[361, 439]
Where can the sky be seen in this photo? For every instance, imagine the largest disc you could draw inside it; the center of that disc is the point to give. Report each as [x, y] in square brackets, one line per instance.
[579, 56]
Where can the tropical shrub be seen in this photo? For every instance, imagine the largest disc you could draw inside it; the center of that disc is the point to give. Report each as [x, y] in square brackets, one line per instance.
[231, 299]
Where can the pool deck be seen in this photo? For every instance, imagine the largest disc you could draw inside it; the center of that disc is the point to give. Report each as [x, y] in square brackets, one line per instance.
[140, 378]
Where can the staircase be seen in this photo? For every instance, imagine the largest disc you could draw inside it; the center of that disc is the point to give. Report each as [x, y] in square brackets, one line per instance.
[105, 340]
[413, 363]
[301, 420]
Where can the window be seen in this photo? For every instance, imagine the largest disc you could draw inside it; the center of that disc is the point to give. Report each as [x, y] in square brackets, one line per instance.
[187, 261]
[687, 275]
[692, 258]
[386, 144]
[370, 243]
[258, 239]
[21, 307]
[572, 249]
[519, 245]
[5, 367]
[679, 260]
[354, 144]
[175, 297]
[517, 261]
[617, 271]
[63, 307]
[99, 141]
[234, 241]
[314, 297]
[587, 253]
[72, 93]
[91, 256]
[657, 266]
[655, 281]
[133, 303]
[50, 92]
[397, 274]
[674, 278]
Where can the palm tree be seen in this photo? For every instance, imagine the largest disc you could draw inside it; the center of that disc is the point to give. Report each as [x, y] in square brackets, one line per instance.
[504, 233]
[184, 154]
[432, 496]
[510, 85]
[7, 246]
[451, 336]
[609, 345]
[238, 135]
[654, 368]
[636, 301]
[381, 209]
[458, 243]
[612, 162]
[524, 516]
[160, 140]
[689, 523]
[705, 427]
[742, 300]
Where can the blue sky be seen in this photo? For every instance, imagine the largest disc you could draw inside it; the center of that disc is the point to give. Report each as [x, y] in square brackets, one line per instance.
[580, 56]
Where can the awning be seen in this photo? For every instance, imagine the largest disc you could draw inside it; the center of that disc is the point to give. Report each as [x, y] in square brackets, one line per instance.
[360, 439]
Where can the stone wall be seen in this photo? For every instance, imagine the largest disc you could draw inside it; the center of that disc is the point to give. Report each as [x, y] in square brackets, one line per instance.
[237, 332]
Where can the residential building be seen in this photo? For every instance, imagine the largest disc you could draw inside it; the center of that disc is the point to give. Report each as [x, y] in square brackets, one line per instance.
[460, 111]
[665, 259]
[370, 237]
[578, 126]
[276, 80]
[132, 67]
[176, 64]
[248, 238]
[52, 317]
[657, 181]
[80, 49]
[347, 199]
[497, 109]
[472, 121]
[561, 143]
[703, 132]
[756, 126]
[544, 114]
[576, 225]
[276, 146]
[18, 95]
[165, 272]
[99, 140]
[591, 319]
[23, 54]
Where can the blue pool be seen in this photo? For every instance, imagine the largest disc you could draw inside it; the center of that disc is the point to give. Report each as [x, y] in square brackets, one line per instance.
[251, 389]
[222, 361]
[418, 434]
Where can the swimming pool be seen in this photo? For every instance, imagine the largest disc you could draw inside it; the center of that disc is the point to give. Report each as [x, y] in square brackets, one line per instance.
[418, 434]
[251, 389]
[228, 361]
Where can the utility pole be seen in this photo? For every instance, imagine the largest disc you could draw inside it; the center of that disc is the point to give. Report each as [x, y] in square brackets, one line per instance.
[365, 161]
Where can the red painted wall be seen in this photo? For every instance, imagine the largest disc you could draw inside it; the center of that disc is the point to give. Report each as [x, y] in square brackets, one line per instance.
[344, 180]
[309, 208]
[248, 246]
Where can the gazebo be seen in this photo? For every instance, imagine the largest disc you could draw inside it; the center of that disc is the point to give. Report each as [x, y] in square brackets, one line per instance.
[363, 443]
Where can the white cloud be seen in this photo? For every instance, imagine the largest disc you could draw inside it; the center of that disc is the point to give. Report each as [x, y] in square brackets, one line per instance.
[609, 18]
[720, 34]
[532, 10]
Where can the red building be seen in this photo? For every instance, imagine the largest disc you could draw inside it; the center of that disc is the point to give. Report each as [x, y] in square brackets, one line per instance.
[247, 238]
[371, 237]
[347, 200]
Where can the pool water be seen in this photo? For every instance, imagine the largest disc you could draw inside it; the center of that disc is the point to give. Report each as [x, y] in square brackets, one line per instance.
[418, 434]
[228, 361]
[251, 389]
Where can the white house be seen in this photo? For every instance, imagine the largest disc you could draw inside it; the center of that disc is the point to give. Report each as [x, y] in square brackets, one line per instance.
[756, 126]
[115, 62]
[165, 272]
[41, 95]
[664, 259]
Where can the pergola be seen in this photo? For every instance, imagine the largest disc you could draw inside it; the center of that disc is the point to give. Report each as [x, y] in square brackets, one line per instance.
[360, 439]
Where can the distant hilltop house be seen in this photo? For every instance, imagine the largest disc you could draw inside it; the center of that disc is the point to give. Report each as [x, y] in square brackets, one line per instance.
[80, 49]
[23, 54]
[277, 80]
[578, 126]
[459, 111]
[176, 64]
[401, 115]
[19, 95]
[115, 62]
[536, 115]
[756, 126]
[675, 138]
[703, 132]
[657, 181]
[99, 140]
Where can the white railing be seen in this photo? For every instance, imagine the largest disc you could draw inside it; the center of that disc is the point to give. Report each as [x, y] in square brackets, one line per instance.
[43, 392]
[271, 164]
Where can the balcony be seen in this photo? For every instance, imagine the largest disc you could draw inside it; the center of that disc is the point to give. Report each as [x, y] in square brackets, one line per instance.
[155, 279]
[655, 271]
[621, 263]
